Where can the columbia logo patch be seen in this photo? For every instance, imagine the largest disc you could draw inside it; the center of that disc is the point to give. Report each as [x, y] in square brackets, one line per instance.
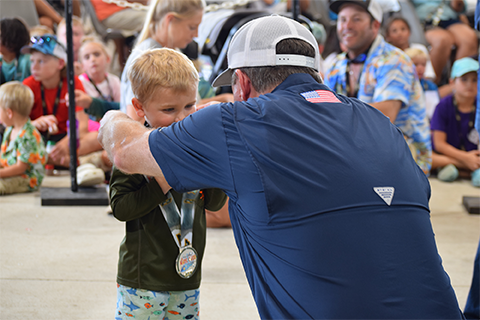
[386, 193]
[318, 96]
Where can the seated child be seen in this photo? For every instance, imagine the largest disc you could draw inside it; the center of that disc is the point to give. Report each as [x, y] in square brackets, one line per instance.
[22, 156]
[49, 85]
[102, 89]
[454, 138]
[13, 64]
[77, 34]
[430, 89]
[159, 269]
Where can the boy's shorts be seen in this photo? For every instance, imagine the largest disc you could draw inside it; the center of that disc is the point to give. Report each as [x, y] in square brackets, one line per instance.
[13, 185]
[155, 305]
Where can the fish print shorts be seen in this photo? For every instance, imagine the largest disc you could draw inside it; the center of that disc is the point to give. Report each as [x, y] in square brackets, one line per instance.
[155, 305]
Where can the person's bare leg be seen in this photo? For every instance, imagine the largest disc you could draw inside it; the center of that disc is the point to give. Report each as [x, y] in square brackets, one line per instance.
[441, 42]
[218, 219]
[465, 39]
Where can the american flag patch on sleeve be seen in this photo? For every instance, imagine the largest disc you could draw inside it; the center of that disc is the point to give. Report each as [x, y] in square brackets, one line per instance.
[318, 96]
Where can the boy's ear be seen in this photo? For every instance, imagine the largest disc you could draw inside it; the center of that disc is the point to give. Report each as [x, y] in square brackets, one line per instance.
[138, 106]
[9, 113]
[61, 64]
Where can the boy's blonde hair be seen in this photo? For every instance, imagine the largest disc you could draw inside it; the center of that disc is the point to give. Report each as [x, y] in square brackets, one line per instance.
[90, 39]
[159, 8]
[161, 68]
[40, 30]
[16, 96]
[416, 53]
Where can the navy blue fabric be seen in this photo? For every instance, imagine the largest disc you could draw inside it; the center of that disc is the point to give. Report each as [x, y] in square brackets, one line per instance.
[315, 239]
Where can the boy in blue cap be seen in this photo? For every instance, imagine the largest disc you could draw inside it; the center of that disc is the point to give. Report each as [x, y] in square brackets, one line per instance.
[454, 138]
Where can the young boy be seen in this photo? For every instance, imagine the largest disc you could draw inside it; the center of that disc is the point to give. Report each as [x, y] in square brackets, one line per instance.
[49, 85]
[159, 269]
[454, 138]
[430, 89]
[22, 156]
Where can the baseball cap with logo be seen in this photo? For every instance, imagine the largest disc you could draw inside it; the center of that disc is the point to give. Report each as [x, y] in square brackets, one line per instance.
[371, 6]
[46, 44]
[463, 66]
[254, 45]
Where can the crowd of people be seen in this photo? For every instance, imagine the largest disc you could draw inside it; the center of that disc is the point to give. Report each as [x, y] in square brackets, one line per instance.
[380, 111]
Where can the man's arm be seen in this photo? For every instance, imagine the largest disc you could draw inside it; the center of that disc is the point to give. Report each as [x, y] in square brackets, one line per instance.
[389, 108]
[126, 142]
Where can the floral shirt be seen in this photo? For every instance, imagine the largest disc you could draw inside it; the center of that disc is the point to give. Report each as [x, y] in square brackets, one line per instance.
[28, 147]
[388, 74]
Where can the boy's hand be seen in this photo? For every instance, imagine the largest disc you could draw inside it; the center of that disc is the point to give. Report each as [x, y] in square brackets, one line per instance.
[45, 123]
[472, 160]
[163, 184]
[82, 99]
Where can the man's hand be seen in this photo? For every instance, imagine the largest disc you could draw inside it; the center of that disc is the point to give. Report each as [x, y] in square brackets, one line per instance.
[126, 143]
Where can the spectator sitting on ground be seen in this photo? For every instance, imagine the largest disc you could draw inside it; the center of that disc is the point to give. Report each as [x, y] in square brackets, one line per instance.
[22, 154]
[13, 64]
[77, 34]
[454, 138]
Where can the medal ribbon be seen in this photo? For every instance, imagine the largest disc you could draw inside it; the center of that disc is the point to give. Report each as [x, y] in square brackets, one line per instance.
[180, 223]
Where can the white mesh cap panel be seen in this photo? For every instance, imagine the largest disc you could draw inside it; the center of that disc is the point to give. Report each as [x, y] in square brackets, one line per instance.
[254, 45]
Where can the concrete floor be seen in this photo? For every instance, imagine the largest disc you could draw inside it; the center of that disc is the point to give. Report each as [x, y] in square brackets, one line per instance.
[60, 262]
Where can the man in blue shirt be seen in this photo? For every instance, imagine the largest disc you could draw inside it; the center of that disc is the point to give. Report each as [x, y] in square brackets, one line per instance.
[329, 210]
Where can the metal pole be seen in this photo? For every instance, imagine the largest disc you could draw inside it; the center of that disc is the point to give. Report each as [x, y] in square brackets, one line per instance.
[71, 96]
[295, 9]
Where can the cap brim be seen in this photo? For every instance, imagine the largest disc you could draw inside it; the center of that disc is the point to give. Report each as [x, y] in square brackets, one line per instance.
[335, 6]
[26, 50]
[224, 79]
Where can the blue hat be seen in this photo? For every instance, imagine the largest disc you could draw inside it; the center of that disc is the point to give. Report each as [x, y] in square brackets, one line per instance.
[46, 44]
[463, 66]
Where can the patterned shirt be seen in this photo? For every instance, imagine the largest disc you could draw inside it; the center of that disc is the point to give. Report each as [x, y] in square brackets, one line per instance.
[388, 74]
[27, 147]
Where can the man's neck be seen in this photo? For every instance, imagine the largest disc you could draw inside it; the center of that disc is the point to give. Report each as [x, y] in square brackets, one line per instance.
[53, 82]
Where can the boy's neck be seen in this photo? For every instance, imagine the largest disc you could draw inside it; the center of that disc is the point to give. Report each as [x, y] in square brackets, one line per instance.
[19, 122]
[8, 56]
[464, 104]
[53, 82]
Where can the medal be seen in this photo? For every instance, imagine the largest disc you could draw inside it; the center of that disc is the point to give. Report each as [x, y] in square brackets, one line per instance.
[186, 263]
[181, 227]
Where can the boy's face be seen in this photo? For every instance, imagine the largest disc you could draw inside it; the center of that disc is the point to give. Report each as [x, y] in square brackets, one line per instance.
[77, 35]
[398, 34]
[44, 66]
[466, 85]
[93, 58]
[420, 66]
[166, 106]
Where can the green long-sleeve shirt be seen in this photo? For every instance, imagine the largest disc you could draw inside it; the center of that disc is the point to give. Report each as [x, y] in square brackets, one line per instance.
[148, 251]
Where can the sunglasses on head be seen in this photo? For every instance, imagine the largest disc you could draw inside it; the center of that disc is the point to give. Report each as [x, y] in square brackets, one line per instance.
[46, 40]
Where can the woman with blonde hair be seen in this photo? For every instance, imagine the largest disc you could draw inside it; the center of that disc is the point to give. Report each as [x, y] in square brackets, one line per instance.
[169, 24]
